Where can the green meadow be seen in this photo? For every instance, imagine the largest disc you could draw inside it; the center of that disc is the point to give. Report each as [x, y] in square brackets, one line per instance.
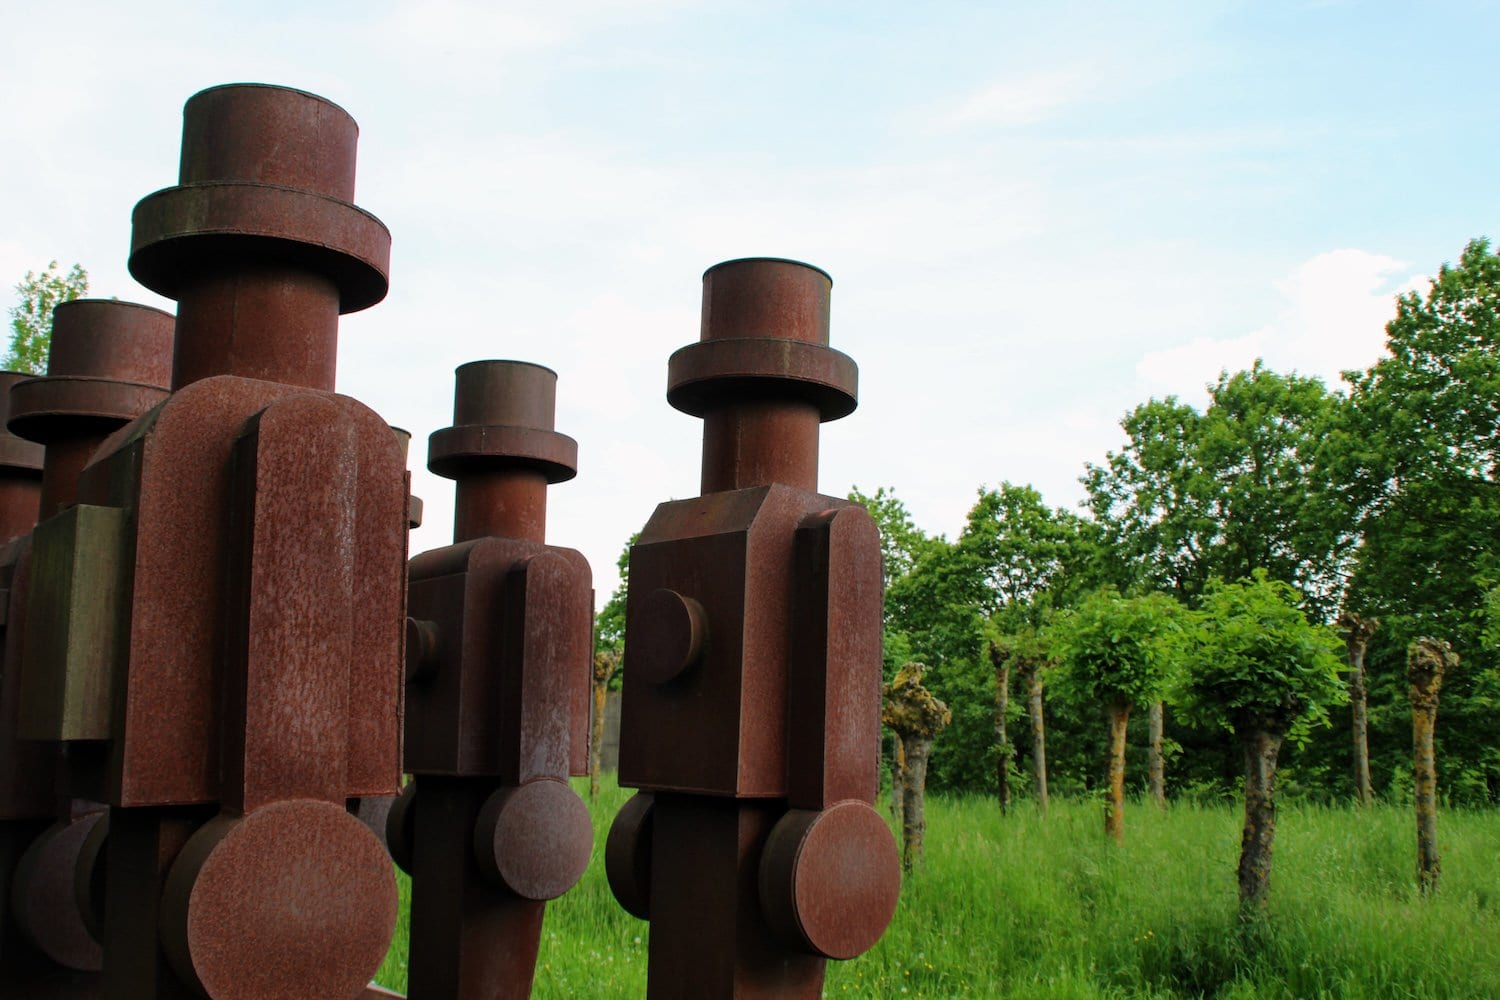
[1023, 905]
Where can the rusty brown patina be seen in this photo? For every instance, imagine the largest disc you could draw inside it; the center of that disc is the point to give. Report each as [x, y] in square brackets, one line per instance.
[246, 676]
[498, 658]
[108, 363]
[751, 712]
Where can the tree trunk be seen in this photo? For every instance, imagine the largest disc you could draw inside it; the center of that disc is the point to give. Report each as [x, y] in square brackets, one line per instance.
[1424, 781]
[1427, 660]
[1359, 698]
[596, 745]
[914, 815]
[1002, 708]
[898, 781]
[1158, 768]
[1357, 632]
[606, 662]
[1261, 749]
[1114, 809]
[1038, 737]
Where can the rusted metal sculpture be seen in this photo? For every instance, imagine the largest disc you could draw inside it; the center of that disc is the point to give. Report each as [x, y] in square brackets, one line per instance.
[751, 716]
[25, 789]
[252, 683]
[109, 362]
[497, 657]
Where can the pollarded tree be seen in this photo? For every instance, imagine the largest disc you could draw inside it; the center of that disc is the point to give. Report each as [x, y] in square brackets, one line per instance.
[1115, 652]
[1260, 668]
[916, 717]
[1427, 661]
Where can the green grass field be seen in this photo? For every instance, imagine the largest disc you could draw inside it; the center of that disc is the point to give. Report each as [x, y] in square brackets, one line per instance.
[1021, 906]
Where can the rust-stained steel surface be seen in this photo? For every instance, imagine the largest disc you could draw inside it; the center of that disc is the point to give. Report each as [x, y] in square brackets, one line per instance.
[259, 241]
[254, 688]
[109, 362]
[498, 650]
[752, 669]
[20, 471]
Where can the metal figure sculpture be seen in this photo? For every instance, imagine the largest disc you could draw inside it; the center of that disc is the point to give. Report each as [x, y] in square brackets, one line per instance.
[109, 362]
[25, 785]
[251, 683]
[497, 656]
[751, 711]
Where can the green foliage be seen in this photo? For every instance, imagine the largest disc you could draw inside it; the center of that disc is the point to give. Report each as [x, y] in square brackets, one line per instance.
[1492, 619]
[1423, 427]
[901, 541]
[1115, 650]
[1258, 664]
[31, 317]
[1242, 486]
[1025, 557]
[1432, 405]
[609, 623]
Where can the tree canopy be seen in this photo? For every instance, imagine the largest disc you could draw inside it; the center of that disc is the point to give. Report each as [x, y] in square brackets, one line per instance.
[1239, 487]
[1256, 663]
[1114, 650]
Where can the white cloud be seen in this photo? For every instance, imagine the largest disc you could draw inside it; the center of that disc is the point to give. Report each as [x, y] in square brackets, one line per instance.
[1331, 317]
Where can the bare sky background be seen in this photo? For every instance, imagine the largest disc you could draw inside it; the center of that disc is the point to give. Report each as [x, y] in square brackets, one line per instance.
[1035, 218]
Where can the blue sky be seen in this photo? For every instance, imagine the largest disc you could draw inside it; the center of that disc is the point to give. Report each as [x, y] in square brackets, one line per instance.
[1036, 216]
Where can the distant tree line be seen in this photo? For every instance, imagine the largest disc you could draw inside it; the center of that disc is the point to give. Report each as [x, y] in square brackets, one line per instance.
[1370, 513]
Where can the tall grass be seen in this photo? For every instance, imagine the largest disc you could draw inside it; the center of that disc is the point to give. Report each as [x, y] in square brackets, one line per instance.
[1027, 906]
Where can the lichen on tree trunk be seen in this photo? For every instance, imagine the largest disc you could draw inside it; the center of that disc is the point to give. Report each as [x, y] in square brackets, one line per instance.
[1427, 660]
[1261, 748]
[1038, 736]
[1154, 758]
[1114, 808]
[1357, 632]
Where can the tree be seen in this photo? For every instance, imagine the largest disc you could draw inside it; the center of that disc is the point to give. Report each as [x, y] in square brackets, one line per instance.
[1027, 652]
[1427, 661]
[1242, 486]
[901, 541]
[901, 544]
[1116, 652]
[1156, 761]
[1421, 440]
[1026, 557]
[1358, 629]
[31, 318]
[917, 717]
[606, 665]
[1000, 659]
[1259, 667]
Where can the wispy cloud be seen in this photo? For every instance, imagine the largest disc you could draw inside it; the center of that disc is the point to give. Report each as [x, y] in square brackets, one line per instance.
[1332, 316]
[1016, 101]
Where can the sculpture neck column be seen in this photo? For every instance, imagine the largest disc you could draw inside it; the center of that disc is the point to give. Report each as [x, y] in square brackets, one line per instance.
[66, 458]
[505, 502]
[759, 442]
[265, 320]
